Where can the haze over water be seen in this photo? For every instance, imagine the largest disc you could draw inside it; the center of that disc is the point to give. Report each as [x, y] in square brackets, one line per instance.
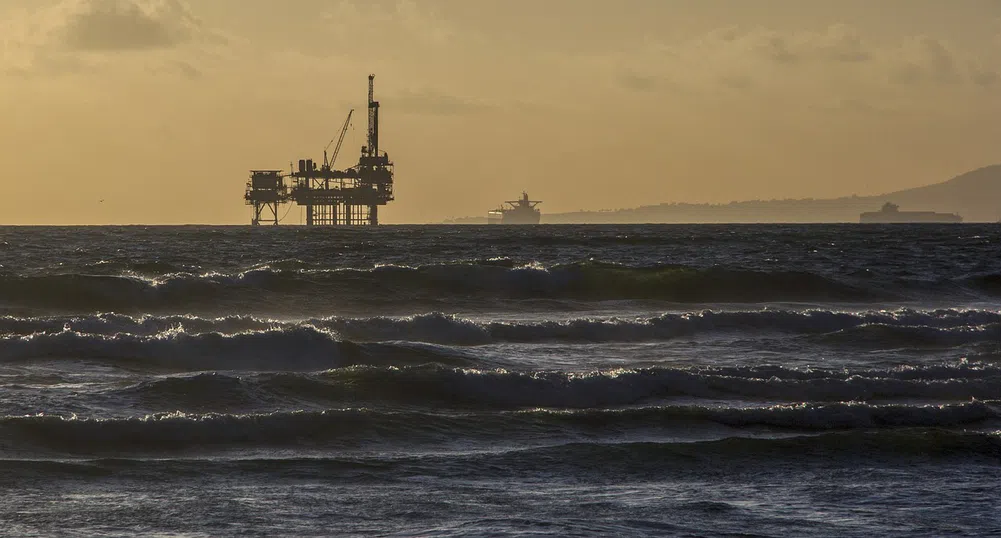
[595, 380]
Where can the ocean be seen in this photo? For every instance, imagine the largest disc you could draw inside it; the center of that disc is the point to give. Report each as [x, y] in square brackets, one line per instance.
[501, 381]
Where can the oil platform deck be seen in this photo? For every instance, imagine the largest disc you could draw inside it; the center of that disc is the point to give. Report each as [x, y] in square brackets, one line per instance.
[330, 197]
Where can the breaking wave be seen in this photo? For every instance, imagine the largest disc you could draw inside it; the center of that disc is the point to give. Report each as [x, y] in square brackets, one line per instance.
[443, 387]
[390, 283]
[888, 336]
[877, 327]
[283, 349]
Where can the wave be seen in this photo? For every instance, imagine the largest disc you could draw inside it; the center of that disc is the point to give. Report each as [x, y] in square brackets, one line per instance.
[989, 283]
[889, 336]
[589, 281]
[643, 460]
[111, 324]
[871, 328]
[646, 458]
[513, 390]
[149, 268]
[465, 388]
[358, 427]
[284, 349]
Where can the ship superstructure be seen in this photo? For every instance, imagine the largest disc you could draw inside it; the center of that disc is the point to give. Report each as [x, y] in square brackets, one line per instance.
[521, 211]
[891, 214]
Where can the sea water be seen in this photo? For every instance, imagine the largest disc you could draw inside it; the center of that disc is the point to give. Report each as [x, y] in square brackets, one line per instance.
[503, 381]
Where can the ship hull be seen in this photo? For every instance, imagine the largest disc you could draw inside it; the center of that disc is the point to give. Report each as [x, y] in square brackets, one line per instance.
[533, 218]
[909, 217]
[514, 217]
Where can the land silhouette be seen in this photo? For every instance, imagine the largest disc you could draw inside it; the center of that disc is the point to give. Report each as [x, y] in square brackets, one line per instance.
[975, 195]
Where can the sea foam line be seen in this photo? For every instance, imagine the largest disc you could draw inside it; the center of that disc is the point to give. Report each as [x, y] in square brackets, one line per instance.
[450, 329]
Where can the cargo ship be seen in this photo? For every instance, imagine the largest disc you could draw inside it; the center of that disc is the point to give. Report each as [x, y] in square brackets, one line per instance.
[891, 213]
[522, 211]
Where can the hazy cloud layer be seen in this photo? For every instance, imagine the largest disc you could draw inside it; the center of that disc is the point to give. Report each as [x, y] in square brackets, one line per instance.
[78, 35]
[434, 102]
[837, 65]
[370, 24]
[113, 25]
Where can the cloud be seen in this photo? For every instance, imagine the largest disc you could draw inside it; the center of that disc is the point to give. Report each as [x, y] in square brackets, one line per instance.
[984, 77]
[433, 102]
[364, 23]
[837, 44]
[640, 82]
[177, 67]
[737, 82]
[924, 59]
[75, 36]
[121, 25]
[836, 62]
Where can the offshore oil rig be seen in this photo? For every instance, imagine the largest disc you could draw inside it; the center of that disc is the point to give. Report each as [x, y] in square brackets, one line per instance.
[331, 197]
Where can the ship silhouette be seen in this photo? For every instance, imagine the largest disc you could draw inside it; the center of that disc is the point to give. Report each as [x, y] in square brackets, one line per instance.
[521, 211]
[891, 213]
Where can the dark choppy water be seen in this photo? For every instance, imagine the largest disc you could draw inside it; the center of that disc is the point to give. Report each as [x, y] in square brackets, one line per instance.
[454, 381]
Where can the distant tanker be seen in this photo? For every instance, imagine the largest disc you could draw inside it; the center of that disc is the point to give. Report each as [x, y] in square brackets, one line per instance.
[891, 214]
[522, 211]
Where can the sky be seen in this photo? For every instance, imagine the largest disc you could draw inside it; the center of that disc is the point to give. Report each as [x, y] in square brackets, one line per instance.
[154, 111]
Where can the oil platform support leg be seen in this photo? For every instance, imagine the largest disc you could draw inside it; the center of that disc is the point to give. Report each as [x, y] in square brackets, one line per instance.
[373, 215]
[309, 215]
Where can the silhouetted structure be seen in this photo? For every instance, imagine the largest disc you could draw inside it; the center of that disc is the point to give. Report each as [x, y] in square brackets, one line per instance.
[891, 214]
[331, 197]
[266, 191]
[521, 211]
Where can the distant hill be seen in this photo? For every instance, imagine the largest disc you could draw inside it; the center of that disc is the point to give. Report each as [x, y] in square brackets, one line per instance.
[975, 195]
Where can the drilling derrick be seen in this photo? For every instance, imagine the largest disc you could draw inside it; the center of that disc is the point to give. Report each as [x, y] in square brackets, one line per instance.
[373, 120]
[329, 196]
[375, 170]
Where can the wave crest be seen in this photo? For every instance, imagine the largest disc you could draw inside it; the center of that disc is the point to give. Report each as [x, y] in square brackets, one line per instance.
[451, 388]
[300, 348]
[946, 326]
[588, 281]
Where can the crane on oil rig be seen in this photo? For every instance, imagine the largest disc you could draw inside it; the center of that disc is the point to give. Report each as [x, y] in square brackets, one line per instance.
[329, 164]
